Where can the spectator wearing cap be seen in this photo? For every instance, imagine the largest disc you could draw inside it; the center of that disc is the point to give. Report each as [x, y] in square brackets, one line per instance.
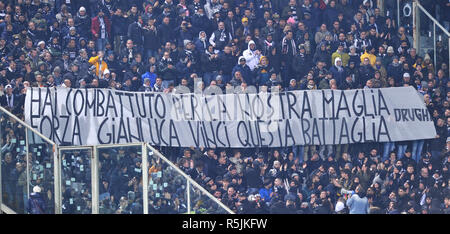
[244, 69]
[354, 56]
[82, 22]
[245, 29]
[36, 204]
[9, 99]
[187, 61]
[72, 35]
[390, 53]
[406, 81]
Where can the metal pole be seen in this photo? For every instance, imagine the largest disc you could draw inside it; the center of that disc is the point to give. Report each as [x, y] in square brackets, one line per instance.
[380, 5]
[432, 18]
[57, 180]
[145, 177]
[94, 181]
[398, 13]
[416, 26]
[28, 163]
[434, 44]
[1, 164]
[188, 196]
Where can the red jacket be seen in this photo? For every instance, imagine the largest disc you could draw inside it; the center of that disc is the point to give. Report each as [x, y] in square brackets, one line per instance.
[95, 26]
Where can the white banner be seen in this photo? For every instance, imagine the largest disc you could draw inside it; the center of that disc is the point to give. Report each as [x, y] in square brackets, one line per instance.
[319, 117]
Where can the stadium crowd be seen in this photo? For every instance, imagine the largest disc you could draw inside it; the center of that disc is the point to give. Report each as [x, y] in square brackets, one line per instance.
[159, 46]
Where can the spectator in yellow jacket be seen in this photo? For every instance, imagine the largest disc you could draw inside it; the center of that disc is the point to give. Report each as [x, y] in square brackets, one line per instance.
[100, 64]
[341, 54]
[369, 53]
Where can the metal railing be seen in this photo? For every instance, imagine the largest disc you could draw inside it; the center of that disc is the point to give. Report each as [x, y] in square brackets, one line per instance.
[68, 188]
[442, 36]
[428, 34]
[34, 169]
[190, 181]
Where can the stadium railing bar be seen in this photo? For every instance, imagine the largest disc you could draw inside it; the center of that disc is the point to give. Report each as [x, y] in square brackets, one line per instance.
[31, 138]
[439, 34]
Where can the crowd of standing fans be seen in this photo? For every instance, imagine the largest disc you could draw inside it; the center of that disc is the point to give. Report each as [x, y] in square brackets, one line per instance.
[163, 45]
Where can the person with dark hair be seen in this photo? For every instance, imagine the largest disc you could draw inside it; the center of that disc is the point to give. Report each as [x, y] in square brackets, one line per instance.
[101, 29]
[358, 202]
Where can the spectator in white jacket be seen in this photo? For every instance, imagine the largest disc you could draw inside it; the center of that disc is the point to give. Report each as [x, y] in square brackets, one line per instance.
[252, 55]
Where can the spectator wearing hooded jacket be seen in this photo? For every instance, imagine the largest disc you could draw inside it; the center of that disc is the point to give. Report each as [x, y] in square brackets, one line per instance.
[341, 54]
[201, 43]
[244, 69]
[252, 55]
[338, 71]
